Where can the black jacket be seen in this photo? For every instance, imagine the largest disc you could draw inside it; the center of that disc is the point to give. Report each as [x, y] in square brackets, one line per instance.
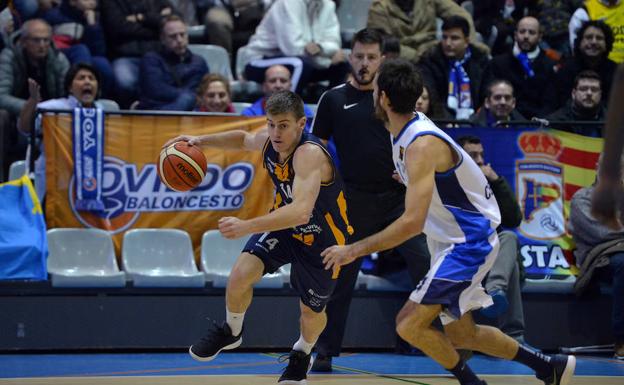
[569, 113]
[434, 67]
[511, 215]
[125, 38]
[534, 96]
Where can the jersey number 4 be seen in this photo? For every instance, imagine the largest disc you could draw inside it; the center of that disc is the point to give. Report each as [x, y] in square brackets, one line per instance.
[271, 242]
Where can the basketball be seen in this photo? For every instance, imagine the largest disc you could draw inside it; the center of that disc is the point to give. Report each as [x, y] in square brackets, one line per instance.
[181, 167]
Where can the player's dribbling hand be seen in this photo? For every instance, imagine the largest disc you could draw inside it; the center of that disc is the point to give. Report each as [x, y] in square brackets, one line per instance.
[605, 201]
[232, 227]
[336, 256]
[191, 140]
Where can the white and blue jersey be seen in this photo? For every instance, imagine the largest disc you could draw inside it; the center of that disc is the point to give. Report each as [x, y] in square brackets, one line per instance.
[460, 226]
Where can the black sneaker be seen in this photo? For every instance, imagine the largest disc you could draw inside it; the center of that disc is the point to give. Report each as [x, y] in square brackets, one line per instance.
[322, 364]
[218, 338]
[297, 370]
[563, 370]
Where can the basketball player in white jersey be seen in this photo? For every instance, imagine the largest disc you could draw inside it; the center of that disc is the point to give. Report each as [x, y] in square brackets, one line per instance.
[449, 199]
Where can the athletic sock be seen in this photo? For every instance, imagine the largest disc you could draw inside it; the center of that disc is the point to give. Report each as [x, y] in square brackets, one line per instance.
[235, 321]
[303, 346]
[534, 360]
[464, 374]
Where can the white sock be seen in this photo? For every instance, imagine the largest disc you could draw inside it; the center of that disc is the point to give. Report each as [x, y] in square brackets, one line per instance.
[303, 346]
[235, 321]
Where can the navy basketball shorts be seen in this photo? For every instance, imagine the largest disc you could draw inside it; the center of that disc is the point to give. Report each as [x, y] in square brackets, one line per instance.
[308, 276]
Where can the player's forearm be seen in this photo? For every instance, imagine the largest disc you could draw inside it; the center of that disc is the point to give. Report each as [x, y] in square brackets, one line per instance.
[610, 169]
[397, 233]
[234, 140]
[283, 218]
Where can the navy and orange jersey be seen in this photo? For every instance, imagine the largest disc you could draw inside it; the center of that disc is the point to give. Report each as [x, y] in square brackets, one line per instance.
[329, 224]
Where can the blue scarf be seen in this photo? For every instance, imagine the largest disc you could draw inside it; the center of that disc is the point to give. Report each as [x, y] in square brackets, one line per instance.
[526, 59]
[526, 64]
[88, 138]
[459, 98]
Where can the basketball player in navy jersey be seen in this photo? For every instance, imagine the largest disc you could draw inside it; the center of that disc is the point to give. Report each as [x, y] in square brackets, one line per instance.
[608, 199]
[449, 199]
[310, 214]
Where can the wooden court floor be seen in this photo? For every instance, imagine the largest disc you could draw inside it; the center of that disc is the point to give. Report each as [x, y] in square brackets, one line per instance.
[312, 380]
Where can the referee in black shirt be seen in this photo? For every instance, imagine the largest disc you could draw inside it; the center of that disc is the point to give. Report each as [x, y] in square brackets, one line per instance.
[374, 198]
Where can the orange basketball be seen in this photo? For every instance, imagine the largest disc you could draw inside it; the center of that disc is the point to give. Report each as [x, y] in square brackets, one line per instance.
[181, 167]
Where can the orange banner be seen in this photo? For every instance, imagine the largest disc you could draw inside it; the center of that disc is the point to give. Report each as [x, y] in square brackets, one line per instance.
[235, 183]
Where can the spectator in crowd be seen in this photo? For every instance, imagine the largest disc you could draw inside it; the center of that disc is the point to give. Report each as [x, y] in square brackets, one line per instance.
[276, 78]
[600, 255]
[77, 32]
[453, 68]
[611, 11]
[414, 23]
[304, 34]
[132, 29]
[430, 105]
[82, 90]
[214, 95]
[495, 20]
[528, 69]
[585, 105]
[499, 105]
[230, 23]
[503, 282]
[170, 75]
[30, 54]
[592, 46]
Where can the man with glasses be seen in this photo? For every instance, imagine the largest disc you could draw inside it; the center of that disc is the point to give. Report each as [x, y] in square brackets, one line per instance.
[585, 104]
[29, 54]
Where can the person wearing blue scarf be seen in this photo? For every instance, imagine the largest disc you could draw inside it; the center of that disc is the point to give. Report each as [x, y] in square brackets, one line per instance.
[528, 69]
[454, 67]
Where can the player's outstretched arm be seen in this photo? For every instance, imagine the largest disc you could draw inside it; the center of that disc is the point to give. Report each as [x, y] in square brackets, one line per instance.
[232, 140]
[421, 159]
[609, 194]
[308, 162]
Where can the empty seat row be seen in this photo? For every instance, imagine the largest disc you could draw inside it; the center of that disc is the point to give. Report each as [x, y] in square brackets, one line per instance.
[150, 258]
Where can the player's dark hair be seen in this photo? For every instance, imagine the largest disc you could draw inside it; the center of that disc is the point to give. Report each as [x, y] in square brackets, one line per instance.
[402, 84]
[283, 102]
[468, 139]
[599, 24]
[73, 71]
[369, 36]
[587, 74]
[456, 22]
